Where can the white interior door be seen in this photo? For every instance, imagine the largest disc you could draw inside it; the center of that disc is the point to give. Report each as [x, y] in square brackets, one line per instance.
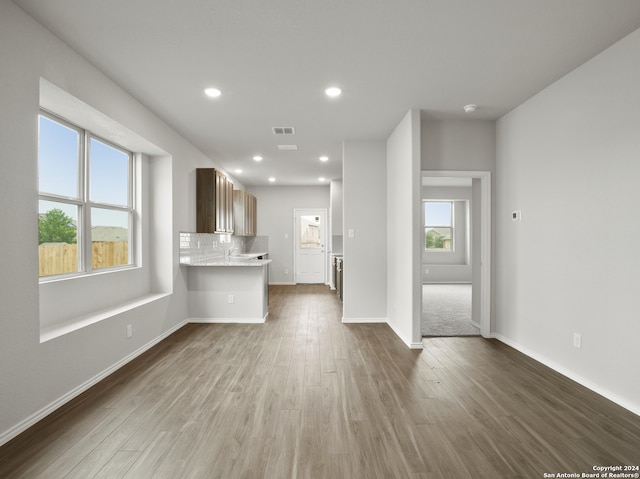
[310, 251]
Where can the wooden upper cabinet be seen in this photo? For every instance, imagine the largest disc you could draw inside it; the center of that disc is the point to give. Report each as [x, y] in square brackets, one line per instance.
[245, 208]
[214, 202]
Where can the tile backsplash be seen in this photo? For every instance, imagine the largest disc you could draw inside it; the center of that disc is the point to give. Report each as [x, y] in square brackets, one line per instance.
[205, 246]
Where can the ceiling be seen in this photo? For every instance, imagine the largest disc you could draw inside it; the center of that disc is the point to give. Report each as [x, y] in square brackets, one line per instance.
[273, 59]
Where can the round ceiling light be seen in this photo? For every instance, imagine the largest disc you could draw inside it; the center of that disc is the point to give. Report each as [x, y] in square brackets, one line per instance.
[212, 92]
[324, 158]
[257, 158]
[272, 179]
[333, 92]
[470, 108]
[322, 178]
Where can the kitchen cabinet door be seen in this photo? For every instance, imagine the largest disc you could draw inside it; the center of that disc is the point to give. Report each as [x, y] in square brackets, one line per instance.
[214, 202]
[250, 215]
[228, 206]
[244, 210]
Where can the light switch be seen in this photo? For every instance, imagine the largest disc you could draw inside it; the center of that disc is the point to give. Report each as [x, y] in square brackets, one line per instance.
[351, 233]
[577, 340]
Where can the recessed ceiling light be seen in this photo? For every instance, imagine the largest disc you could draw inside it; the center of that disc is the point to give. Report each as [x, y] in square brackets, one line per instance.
[272, 179]
[322, 178]
[333, 91]
[238, 170]
[470, 108]
[257, 158]
[212, 92]
[324, 158]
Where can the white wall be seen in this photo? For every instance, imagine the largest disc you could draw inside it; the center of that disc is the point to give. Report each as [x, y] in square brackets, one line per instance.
[336, 207]
[404, 231]
[569, 158]
[365, 212]
[35, 376]
[457, 145]
[275, 220]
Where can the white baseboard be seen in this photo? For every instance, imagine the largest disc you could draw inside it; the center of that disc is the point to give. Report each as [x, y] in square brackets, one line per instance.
[61, 401]
[228, 320]
[363, 320]
[634, 408]
[406, 341]
[282, 284]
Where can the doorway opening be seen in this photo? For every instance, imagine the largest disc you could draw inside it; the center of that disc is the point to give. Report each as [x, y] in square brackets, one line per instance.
[456, 250]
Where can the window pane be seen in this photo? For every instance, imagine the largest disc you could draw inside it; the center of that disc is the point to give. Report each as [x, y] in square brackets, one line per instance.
[109, 169]
[109, 238]
[439, 238]
[57, 238]
[310, 232]
[437, 214]
[58, 158]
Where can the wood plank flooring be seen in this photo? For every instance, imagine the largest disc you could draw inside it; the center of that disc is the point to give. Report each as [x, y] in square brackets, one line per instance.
[305, 396]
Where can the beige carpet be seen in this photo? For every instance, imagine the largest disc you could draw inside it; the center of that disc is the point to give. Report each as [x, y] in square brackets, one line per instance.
[446, 310]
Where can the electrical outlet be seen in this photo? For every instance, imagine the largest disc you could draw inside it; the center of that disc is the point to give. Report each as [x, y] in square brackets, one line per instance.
[516, 215]
[577, 340]
[230, 299]
[286, 271]
[129, 330]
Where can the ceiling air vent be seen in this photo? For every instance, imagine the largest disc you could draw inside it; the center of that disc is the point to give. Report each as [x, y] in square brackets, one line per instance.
[287, 147]
[283, 130]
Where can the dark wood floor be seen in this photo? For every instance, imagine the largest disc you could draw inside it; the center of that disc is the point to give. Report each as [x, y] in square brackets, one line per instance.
[306, 396]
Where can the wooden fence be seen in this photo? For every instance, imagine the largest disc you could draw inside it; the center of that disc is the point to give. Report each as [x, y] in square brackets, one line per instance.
[59, 258]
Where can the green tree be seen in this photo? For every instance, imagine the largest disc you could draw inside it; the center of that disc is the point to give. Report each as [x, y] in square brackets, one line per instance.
[434, 240]
[56, 227]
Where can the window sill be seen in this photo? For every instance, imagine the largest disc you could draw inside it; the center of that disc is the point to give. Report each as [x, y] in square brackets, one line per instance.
[57, 330]
[82, 274]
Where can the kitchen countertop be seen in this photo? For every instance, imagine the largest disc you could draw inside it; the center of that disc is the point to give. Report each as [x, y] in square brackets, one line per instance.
[225, 261]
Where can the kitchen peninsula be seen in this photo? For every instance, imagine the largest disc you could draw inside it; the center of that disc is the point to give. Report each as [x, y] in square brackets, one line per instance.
[226, 288]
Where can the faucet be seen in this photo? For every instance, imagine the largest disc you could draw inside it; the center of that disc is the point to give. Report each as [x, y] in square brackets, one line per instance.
[230, 250]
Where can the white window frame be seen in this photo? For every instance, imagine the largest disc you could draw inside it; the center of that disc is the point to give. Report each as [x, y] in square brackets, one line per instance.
[452, 226]
[84, 203]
